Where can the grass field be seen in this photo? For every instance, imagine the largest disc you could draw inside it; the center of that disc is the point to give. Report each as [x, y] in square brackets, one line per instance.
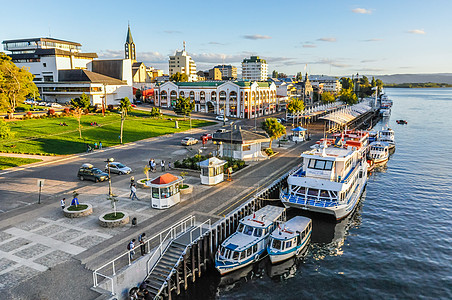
[9, 162]
[47, 137]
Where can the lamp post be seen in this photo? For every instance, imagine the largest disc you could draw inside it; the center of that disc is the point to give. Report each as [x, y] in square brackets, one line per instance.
[108, 161]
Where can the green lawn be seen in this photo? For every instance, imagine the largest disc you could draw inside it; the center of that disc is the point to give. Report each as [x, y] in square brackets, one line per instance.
[46, 136]
[9, 162]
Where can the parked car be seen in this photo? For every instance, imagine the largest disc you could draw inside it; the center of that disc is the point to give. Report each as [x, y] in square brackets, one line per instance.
[56, 105]
[221, 130]
[87, 171]
[118, 168]
[206, 136]
[133, 105]
[189, 141]
[221, 118]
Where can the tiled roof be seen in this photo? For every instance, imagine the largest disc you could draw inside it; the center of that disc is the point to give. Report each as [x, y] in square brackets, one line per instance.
[87, 76]
[164, 179]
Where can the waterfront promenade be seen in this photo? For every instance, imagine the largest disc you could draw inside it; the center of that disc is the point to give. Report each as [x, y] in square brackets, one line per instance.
[64, 252]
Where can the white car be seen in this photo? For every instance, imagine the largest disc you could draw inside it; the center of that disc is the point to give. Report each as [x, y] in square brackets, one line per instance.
[118, 168]
[56, 105]
[221, 118]
[189, 141]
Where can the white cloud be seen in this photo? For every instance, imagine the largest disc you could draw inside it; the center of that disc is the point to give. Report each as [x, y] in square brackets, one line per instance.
[257, 37]
[215, 43]
[327, 39]
[417, 31]
[373, 40]
[309, 46]
[362, 11]
[147, 57]
[326, 61]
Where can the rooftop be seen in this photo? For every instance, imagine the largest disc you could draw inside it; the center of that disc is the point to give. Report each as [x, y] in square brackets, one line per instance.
[254, 59]
[87, 76]
[46, 39]
[240, 136]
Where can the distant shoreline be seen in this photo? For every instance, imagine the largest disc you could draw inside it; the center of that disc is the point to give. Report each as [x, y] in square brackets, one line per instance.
[418, 85]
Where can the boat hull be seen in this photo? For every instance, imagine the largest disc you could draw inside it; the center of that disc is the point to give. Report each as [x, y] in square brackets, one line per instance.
[279, 257]
[224, 269]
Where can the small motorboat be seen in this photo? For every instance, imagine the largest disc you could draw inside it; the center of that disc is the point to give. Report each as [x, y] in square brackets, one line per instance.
[403, 122]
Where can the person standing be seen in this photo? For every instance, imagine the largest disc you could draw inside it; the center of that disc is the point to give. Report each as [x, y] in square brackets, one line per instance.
[169, 165]
[150, 164]
[153, 166]
[162, 165]
[100, 145]
[63, 203]
[141, 238]
[132, 182]
[95, 145]
[133, 192]
[130, 247]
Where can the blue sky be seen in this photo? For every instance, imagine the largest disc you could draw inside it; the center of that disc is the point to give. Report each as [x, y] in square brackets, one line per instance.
[331, 37]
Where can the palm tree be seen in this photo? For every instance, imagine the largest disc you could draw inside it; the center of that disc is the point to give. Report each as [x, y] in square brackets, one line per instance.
[124, 108]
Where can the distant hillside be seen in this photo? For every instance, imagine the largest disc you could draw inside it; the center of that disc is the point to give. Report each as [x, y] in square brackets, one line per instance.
[415, 78]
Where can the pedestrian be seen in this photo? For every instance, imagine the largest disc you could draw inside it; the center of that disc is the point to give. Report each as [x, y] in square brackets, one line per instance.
[150, 164]
[100, 145]
[153, 166]
[133, 192]
[141, 238]
[169, 165]
[63, 203]
[130, 247]
[162, 165]
[75, 201]
[132, 182]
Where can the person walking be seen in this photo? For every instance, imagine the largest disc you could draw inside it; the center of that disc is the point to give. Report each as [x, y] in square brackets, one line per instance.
[133, 191]
[169, 166]
[130, 247]
[63, 203]
[162, 165]
[100, 145]
[132, 182]
[150, 164]
[141, 238]
[153, 166]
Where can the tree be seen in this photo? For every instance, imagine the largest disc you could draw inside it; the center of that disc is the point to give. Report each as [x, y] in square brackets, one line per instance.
[299, 76]
[348, 97]
[79, 105]
[373, 83]
[138, 94]
[347, 83]
[184, 106]
[274, 129]
[179, 77]
[295, 106]
[275, 74]
[155, 112]
[328, 97]
[124, 108]
[5, 131]
[16, 84]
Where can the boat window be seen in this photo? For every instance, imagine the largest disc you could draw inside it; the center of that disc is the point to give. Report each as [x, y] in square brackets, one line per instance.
[328, 165]
[289, 244]
[240, 228]
[258, 232]
[324, 193]
[276, 244]
[255, 248]
[320, 164]
[243, 254]
[227, 254]
[235, 255]
[303, 234]
[222, 251]
[248, 230]
[313, 192]
[311, 163]
[298, 240]
[249, 251]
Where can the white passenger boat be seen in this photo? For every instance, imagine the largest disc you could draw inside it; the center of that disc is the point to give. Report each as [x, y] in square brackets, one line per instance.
[249, 242]
[289, 239]
[385, 112]
[387, 135]
[379, 152]
[330, 181]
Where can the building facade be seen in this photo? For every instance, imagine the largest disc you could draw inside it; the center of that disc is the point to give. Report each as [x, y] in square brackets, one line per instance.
[240, 99]
[254, 69]
[327, 84]
[129, 47]
[228, 72]
[181, 62]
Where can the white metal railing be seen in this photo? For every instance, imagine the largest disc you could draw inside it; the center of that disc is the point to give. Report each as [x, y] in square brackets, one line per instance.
[174, 269]
[121, 261]
[171, 234]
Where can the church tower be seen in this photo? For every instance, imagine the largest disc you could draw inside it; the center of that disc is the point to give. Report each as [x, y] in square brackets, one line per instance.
[129, 51]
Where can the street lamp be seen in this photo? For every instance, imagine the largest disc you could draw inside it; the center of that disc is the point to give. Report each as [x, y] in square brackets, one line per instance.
[108, 161]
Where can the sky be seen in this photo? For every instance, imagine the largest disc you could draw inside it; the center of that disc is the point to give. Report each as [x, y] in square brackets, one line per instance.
[321, 37]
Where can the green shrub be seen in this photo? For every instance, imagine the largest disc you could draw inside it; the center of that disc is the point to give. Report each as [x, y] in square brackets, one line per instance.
[5, 131]
[111, 216]
[269, 151]
[77, 208]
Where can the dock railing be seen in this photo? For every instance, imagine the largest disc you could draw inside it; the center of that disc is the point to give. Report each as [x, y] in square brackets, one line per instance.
[108, 270]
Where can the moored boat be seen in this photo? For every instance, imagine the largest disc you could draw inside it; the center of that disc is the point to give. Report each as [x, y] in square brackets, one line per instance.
[379, 152]
[402, 122]
[387, 135]
[248, 244]
[289, 239]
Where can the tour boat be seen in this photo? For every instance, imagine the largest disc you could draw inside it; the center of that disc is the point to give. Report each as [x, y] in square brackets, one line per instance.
[249, 242]
[387, 135]
[385, 101]
[403, 122]
[330, 181]
[379, 152]
[372, 136]
[289, 239]
[385, 112]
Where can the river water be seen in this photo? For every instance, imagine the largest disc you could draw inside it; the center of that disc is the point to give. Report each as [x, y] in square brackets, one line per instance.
[397, 244]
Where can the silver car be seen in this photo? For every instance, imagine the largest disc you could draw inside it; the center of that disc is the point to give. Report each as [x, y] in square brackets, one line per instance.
[118, 168]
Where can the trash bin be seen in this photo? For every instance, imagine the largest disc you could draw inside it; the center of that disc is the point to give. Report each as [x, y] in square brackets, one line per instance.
[134, 221]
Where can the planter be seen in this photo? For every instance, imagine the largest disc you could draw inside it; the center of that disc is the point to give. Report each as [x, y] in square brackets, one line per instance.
[141, 183]
[79, 213]
[114, 223]
[187, 190]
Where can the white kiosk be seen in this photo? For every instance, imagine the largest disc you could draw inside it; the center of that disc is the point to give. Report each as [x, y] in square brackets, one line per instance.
[299, 134]
[212, 171]
[165, 191]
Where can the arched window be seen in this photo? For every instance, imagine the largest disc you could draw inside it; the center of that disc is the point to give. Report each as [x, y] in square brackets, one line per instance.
[173, 95]
[163, 95]
[222, 96]
[192, 95]
[182, 94]
[202, 96]
[213, 96]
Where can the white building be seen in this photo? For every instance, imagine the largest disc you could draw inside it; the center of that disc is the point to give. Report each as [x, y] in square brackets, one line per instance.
[254, 69]
[183, 63]
[62, 72]
[326, 84]
[232, 98]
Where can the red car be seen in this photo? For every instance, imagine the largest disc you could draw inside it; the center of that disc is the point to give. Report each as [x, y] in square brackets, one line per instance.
[206, 136]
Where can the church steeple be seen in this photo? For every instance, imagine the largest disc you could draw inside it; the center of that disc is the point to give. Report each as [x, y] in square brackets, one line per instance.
[130, 47]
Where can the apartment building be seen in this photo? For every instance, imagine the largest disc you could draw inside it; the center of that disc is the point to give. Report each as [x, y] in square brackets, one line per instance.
[254, 69]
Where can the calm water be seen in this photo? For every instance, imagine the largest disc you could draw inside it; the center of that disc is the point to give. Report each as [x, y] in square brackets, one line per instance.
[398, 243]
